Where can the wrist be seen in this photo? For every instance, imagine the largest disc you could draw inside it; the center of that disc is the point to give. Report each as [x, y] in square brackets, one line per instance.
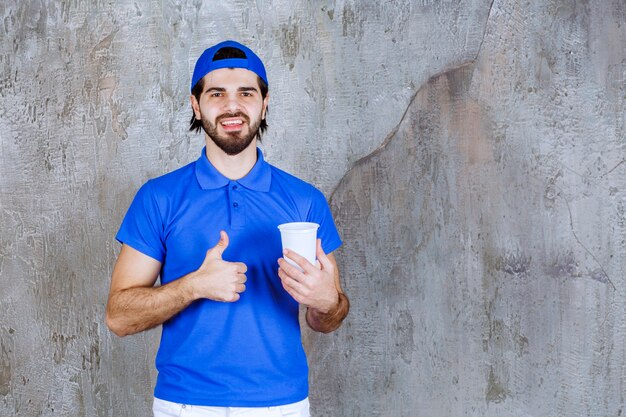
[187, 288]
[326, 322]
[332, 307]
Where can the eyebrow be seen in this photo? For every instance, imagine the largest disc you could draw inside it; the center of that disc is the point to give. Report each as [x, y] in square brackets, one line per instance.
[222, 89]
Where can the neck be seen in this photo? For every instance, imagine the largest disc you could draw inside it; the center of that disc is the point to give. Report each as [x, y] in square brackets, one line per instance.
[232, 167]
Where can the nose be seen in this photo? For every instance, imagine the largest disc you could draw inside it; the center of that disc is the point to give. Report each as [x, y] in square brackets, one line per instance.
[232, 104]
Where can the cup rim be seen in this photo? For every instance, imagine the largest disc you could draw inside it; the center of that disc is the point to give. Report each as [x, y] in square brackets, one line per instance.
[298, 227]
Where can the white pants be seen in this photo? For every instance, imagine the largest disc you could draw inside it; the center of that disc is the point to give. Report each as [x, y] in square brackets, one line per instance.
[162, 408]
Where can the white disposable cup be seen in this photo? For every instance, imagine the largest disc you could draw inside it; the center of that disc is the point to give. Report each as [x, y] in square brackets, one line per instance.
[300, 237]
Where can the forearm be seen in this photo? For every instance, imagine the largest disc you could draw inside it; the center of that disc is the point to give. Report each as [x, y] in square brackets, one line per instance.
[330, 321]
[133, 310]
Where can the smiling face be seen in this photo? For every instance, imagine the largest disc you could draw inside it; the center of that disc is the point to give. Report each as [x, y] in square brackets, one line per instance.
[231, 108]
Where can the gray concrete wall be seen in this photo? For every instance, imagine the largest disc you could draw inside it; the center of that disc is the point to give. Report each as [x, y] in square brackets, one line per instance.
[473, 152]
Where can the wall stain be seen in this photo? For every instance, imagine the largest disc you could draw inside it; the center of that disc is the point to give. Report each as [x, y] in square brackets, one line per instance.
[60, 343]
[5, 369]
[599, 275]
[103, 47]
[352, 22]
[289, 35]
[402, 336]
[515, 264]
[503, 338]
[565, 266]
[91, 360]
[496, 392]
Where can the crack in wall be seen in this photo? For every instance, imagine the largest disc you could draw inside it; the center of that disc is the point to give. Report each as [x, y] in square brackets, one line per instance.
[393, 131]
[613, 169]
[482, 41]
[571, 223]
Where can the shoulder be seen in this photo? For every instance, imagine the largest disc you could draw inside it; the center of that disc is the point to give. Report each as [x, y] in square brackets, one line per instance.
[306, 197]
[284, 179]
[167, 184]
[164, 192]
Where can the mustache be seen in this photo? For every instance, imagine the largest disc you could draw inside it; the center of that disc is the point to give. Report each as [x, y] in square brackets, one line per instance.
[235, 114]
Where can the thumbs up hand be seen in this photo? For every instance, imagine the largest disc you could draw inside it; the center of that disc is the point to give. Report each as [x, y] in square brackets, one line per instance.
[217, 279]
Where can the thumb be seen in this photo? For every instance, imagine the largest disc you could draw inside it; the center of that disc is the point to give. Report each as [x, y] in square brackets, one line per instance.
[216, 251]
[321, 256]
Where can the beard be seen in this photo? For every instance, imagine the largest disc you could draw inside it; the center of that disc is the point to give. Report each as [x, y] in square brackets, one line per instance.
[231, 143]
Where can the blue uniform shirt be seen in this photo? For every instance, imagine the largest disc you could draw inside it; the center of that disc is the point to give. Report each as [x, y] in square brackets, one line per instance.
[242, 354]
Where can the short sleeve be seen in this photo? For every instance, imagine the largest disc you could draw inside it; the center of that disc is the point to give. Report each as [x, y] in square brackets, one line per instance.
[142, 227]
[320, 213]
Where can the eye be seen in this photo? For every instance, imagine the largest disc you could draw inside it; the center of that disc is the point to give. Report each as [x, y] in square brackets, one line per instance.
[246, 94]
[216, 94]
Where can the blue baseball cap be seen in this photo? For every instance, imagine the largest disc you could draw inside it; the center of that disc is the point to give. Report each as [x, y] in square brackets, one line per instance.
[205, 63]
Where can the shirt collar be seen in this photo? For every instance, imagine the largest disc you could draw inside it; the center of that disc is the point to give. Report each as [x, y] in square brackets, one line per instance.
[258, 179]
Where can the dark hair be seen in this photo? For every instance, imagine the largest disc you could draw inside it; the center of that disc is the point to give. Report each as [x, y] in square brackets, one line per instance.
[226, 53]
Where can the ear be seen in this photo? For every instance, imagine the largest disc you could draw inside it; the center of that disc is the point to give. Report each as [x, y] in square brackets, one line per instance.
[195, 106]
[266, 101]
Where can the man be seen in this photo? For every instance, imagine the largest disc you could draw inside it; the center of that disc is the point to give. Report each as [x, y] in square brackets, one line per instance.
[228, 301]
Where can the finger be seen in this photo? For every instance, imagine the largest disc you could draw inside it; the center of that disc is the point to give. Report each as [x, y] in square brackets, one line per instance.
[290, 292]
[293, 287]
[292, 271]
[217, 250]
[300, 260]
[321, 256]
[296, 288]
[240, 267]
[232, 298]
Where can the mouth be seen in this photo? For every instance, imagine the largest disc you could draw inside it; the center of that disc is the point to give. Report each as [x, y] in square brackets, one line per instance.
[232, 124]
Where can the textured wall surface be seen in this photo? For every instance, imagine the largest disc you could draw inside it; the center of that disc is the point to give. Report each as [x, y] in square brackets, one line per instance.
[473, 152]
[486, 251]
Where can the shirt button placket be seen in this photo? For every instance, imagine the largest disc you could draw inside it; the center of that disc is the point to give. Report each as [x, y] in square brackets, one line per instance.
[237, 215]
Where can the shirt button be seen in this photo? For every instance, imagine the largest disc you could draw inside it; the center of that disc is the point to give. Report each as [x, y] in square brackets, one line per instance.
[235, 187]
[235, 205]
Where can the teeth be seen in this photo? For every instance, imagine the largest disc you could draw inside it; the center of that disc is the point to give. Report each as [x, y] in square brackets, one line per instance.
[232, 122]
